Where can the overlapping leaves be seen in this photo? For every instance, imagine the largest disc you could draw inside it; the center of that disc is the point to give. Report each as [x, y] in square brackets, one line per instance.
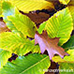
[3, 27]
[66, 59]
[66, 65]
[60, 25]
[70, 5]
[31, 5]
[16, 44]
[24, 24]
[71, 9]
[27, 27]
[51, 45]
[33, 64]
[4, 55]
[69, 44]
[64, 1]
[8, 10]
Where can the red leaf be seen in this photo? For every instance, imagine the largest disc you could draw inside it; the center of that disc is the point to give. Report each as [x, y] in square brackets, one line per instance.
[51, 45]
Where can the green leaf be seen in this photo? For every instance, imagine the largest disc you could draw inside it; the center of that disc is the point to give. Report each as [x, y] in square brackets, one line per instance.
[66, 59]
[36, 48]
[27, 47]
[16, 44]
[11, 26]
[71, 9]
[66, 64]
[0, 8]
[64, 1]
[60, 25]
[67, 68]
[8, 10]
[31, 5]
[31, 64]
[24, 24]
[4, 55]
[41, 28]
[69, 44]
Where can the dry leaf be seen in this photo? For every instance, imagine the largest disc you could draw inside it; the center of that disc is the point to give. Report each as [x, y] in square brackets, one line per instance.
[51, 45]
[3, 27]
[37, 18]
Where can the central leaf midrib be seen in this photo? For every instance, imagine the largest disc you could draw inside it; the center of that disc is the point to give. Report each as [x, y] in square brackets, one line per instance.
[33, 65]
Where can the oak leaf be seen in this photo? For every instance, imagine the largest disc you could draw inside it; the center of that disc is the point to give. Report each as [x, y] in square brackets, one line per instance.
[51, 45]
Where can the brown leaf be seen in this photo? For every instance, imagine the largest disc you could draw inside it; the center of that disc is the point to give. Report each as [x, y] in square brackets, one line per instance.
[51, 45]
[3, 27]
[37, 18]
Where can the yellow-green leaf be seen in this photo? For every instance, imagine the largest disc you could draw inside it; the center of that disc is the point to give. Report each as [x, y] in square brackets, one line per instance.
[64, 1]
[66, 68]
[23, 24]
[71, 3]
[60, 25]
[66, 59]
[4, 55]
[8, 10]
[16, 44]
[71, 9]
[31, 5]
[0, 8]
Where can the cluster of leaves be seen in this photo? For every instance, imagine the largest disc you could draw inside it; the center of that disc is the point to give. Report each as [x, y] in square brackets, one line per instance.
[53, 35]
